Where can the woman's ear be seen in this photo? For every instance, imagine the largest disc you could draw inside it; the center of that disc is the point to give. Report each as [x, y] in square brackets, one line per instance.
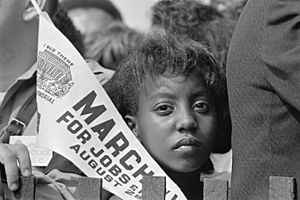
[30, 12]
[132, 124]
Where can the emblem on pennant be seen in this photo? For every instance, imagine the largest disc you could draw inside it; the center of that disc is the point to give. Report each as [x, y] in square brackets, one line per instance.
[54, 75]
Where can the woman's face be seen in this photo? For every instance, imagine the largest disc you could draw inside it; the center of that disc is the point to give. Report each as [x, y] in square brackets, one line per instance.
[176, 122]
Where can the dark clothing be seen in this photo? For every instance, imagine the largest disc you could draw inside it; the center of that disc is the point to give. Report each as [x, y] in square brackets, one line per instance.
[263, 74]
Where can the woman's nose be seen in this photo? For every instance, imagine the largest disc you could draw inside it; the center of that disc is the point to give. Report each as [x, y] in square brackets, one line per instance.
[186, 120]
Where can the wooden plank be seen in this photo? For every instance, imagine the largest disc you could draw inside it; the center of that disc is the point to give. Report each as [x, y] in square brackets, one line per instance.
[88, 189]
[1, 184]
[282, 188]
[153, 188]
[26, 189]
[215, 189]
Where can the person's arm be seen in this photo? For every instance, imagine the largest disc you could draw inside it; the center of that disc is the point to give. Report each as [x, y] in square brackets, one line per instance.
[15, 159]
[281, 49]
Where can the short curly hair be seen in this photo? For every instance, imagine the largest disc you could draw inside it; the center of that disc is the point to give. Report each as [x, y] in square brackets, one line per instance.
[203, 23]
[167, 55]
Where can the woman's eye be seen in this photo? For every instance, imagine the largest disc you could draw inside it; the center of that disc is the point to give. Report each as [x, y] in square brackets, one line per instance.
[201, 107]
[163, 109]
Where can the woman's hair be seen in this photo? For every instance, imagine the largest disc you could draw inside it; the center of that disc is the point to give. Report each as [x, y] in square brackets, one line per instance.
[169, 55]
[112, 44]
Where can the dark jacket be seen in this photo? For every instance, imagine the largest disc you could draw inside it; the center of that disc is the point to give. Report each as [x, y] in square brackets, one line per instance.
[263, 74]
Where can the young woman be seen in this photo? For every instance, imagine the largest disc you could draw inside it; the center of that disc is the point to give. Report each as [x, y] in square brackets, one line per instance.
[171, 93]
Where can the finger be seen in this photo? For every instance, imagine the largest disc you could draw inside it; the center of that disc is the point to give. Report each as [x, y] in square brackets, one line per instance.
[23, 157]
[9, 160]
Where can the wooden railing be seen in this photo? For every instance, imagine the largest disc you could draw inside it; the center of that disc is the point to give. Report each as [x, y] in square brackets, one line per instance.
[153, 188]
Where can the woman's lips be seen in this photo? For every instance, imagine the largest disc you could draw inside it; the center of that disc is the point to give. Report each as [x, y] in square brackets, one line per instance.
[187, 143]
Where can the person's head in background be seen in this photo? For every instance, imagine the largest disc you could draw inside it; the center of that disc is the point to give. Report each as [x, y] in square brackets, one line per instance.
[63, 22]
[230, 8]
[112, 44]
[91, 16]
[203, 23]
[169, 90]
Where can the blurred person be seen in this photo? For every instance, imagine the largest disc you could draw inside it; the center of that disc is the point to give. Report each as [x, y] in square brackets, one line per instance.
[112, 44]
[91, 16]
[18, 53]
[203, 23]
[226, 4]
[63, 22]
[230, 8]
[18, 49]
[263, 79]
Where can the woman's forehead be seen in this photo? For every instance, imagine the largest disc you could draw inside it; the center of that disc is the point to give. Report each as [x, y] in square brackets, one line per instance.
[167, 84]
